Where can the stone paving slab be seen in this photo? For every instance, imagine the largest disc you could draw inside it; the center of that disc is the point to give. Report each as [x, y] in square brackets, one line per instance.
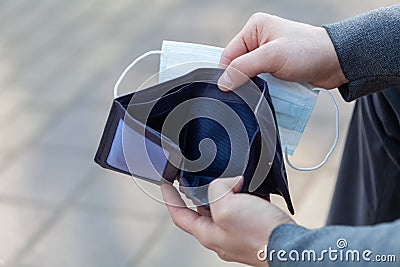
[78, 129]
[21, 128]
[43, 175]
[119, 193]
[82, 238]
[164, 253]
[18, 223]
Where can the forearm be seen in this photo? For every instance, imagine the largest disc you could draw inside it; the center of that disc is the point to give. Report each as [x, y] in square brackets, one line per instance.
[368, 48]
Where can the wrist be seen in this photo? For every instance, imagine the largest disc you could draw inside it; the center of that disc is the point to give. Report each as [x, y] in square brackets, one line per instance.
[263, 252]
[337, 77]
[281, 221]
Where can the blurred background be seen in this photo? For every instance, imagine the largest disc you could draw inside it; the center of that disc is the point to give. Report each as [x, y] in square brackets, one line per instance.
[59, 61]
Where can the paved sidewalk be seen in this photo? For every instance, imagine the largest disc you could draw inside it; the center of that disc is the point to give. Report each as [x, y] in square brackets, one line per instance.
[59, 61]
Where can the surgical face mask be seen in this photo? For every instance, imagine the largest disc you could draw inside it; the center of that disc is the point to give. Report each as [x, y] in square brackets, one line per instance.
[293, 102]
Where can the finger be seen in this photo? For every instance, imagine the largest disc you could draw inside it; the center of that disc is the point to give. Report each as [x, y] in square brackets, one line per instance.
[201, 227]
[261, 60]
[182, 216]
[171, 196]
[203, 211]
[221, 192]
[236, 47]
[221, 188]
[245, 41]
[232, 78]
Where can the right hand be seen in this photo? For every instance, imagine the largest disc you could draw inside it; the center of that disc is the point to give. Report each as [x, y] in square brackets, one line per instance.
[288, 50]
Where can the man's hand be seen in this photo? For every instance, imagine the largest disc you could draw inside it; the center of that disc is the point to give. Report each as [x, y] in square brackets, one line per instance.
[288, 50]
[239, 226]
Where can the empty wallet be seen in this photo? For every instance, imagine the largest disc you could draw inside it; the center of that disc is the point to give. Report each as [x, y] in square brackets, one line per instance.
[161, 132]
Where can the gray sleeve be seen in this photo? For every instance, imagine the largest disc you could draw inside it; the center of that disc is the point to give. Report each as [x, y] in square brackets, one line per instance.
[346, 246]
[368, 48]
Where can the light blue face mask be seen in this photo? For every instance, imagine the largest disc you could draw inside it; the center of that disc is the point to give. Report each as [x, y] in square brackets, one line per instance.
[293, 102]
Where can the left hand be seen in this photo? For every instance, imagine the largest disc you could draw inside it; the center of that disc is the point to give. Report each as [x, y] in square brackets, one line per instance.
[288, 50]
[239, 226]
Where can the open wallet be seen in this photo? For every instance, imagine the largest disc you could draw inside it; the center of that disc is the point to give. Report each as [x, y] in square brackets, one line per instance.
[188, 130]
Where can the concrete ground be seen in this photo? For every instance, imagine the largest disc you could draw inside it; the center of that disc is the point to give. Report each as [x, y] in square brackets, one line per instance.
[58, 63]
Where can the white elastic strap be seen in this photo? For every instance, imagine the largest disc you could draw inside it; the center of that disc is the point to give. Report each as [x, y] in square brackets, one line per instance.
[116, 86]
[334, 142]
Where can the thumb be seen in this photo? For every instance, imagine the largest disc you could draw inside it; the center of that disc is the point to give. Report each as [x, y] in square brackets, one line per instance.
[260, 60]
[224, 186]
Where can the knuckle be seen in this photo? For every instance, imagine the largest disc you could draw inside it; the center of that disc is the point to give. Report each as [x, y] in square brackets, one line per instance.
[215, 182]
[257, 16]
[212, 186]
[223, 215]
[175, 222]
[236, 65]
[223, 255]
[239, 69]
[207, 243]
[260, 17]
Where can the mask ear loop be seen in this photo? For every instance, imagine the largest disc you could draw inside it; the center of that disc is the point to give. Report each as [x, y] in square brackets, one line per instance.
[334, 142]
[123, 74]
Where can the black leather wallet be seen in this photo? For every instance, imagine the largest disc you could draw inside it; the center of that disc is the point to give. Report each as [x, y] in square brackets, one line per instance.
[160, 133]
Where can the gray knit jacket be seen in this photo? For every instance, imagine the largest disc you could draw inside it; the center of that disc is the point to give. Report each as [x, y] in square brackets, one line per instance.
[368, 48]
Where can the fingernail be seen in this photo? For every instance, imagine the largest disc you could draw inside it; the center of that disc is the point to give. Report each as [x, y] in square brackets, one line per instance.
[225, 82]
